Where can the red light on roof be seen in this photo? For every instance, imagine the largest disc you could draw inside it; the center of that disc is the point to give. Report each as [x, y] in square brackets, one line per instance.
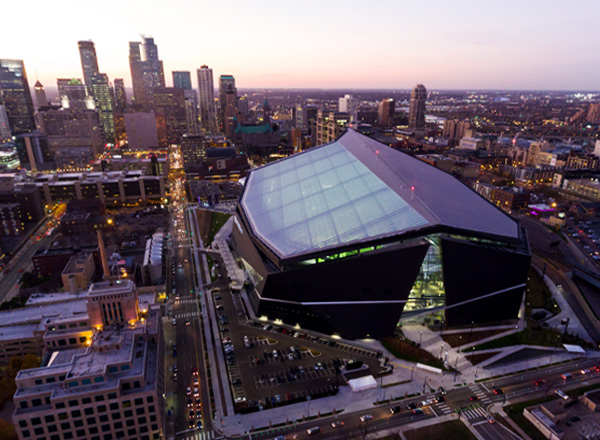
[412, 188]
[376, 151]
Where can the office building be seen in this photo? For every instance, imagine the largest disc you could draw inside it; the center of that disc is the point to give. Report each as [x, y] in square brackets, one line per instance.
[89, 63]
[191, 111]
[349, 104]
[416, 112]
[182, 79]
[70, 128]
[147, 71]
[120, 95]
[109, 386]
[329, 126]
[40, 95]
[230, 112]
[593, 114]
[226, 85]
[208, 119]
[355, 237]
[385, 113]
[34, 151]
[102, 97]
[5, 133]
[455, 129]
[15, 96]
[73, 95]
[171, 116]
[141, 131]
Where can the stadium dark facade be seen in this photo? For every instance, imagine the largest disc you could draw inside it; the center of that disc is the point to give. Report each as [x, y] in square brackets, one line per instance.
[353, 237]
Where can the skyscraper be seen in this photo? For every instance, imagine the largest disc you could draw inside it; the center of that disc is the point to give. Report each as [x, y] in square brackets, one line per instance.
[226, 83]
[385, 112]
[182, 80]
[171, 117]
[416, 113]
[101, 93]
[120, 95]
[40, 95]
[89, 62]
[147, 71]
[207, 98]
[16, 96]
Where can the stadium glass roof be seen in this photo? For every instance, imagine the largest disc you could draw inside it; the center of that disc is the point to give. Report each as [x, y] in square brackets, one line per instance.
[357, 189]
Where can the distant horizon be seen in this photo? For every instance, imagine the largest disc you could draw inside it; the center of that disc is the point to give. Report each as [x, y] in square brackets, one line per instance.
[513, 45]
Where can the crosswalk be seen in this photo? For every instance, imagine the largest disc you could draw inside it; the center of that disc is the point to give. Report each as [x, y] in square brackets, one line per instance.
[185, 315]
[444, 408]
[473, 413]
[201, 435]
[185, 301]
[481, 395]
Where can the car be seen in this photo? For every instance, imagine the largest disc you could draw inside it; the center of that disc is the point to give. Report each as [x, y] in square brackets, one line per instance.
[418, 411]
[20, 270]
[280, 437]
[411, 406]
[195, 381]
[188, 391]
[236, 382]
[199, 424]
[490, 419]
[337, 424]
[585, 371]
[226, 340]
[442, 391]
[189, 403]
[575, 419]
[366, 418]
[566, 376]
[196, 392]
[439, 399]
[195, 371]
[427, 402]
[191, 424]
[174, 322]
[187, 322]
[191, 414]
[474, 398]
[198, 413]
[175, 375]
[498, 391]
[313, 431]
[539, 382]
[395, 410]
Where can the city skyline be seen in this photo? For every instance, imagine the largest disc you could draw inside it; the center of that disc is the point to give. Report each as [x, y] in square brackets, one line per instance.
[463, 45]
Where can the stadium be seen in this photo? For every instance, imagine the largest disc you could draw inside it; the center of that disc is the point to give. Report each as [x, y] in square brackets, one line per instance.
[354, 238]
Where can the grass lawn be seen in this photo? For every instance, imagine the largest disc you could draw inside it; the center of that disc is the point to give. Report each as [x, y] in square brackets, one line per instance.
[410, 352]
[533, 336]
[217, 220]
[479, 358]
[538, 295]
[453, 430]
[456, 339]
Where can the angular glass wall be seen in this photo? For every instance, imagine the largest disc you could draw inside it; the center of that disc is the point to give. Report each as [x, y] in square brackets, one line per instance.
[428, 290]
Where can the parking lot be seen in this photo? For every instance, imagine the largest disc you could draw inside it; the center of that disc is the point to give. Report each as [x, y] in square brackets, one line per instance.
[270, 365]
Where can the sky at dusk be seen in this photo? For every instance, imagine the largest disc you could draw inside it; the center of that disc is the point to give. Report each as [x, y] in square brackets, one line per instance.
[459, 44]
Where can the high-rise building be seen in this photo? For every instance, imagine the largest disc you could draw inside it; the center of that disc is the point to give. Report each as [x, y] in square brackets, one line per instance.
[73, 94]
[226, 82]
[593, 114]
[147, 72]
[207, 99]
[141, 131]
[109, 382]
[329, 126]
[120, 95]
[40, 95]
[5, 133]
[416, 112]
[385, 112]
[101, 94]
[171, 118]
[230, 115]
[191, 110]
[182, 80]
[349, 104]
[15, 96]
[455, 129]
[89, 63]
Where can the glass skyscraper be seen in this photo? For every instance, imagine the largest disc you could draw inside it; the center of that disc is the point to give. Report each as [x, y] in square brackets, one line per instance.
[101, 93]
[182, 80]
[89, 63]
[15, 96]
[207, 98]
